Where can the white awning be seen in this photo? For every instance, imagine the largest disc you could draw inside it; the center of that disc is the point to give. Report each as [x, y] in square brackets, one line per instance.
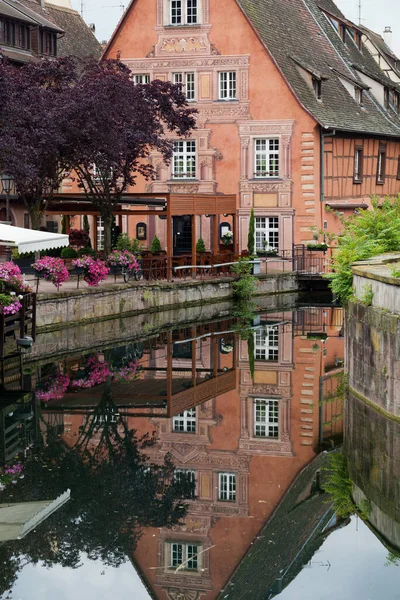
[30, 240]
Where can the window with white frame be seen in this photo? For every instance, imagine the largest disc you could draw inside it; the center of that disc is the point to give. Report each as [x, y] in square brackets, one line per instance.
[184, 159]
[227, 487]
[227, 85]
[266, 157]
[141, 78]
[186, 475]
[266, 418]
[266, 344]
[186, 421]
[267, 233]
[187, 82]
[185, 556]
[184, 12]
[100, 234]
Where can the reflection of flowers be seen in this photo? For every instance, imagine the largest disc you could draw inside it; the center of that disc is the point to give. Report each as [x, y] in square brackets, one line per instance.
[96, 372]
[127, 373]
[54, 389]
[10, 474]
[94, 269]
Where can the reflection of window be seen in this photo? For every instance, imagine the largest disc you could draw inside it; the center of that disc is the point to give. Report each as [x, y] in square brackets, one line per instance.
[187, 81]
[182, 350]
[185, 555]
[266, 418]
[227, 85]
[266, 158]
[182, 475]
[227, 487]
[185, 421]
[141, 231]
[266, 344]
[184, 12]
[184, 160]
[267, 233]
[141, 78]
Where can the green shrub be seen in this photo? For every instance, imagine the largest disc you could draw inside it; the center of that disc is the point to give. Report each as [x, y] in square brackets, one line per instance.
[155, 245]
[366, 234]
[86, 252]
[338, 485]
[86, 226]
[69, 253]
[200, 246]
[395, 271]
[244, 288]
[124, 242]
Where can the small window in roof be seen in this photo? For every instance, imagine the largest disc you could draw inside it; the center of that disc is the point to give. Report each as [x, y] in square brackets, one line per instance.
[317, 86]
[358, 95]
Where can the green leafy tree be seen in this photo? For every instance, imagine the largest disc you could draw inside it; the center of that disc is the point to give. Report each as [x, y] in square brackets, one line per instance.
[86, 226]
[200, 246]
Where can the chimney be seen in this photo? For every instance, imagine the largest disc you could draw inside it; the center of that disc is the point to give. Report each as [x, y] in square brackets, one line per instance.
[388, 36]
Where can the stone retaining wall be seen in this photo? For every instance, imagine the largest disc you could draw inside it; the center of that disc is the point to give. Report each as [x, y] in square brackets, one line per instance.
[373, 336]
[60, 310]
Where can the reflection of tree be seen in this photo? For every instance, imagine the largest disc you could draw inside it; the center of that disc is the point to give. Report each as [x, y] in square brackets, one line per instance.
[115, 491]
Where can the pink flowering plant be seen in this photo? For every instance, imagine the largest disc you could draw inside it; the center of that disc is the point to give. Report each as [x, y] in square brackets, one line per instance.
[52, 269]
[10, 304]
[123, 258]
[11, 278]
[10, 474]
[94, 269]
[54, 388]
[94, 373]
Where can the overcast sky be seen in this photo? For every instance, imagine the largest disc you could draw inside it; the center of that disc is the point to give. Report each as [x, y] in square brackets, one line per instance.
[376, 14]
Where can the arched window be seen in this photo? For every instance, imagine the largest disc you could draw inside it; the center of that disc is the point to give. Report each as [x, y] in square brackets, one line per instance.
[223, 228]
[141, 231]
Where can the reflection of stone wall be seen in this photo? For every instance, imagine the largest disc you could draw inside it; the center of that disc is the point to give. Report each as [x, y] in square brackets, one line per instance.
[373, 355]
[372, 444]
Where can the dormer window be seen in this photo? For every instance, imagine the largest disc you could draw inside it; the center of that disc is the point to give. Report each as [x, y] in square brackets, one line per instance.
[386, 95]
[184, 12]
[358, 95]
[317, 87]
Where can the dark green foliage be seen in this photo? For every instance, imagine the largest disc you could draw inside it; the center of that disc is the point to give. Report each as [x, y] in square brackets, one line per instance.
[369, 233]
[69, 253]
[244, 288]
[317, 247]
[200, 246]
[251, 238]
[86, 226]
[64, 225]
[86, 252]
[155, 245]
[250, 350]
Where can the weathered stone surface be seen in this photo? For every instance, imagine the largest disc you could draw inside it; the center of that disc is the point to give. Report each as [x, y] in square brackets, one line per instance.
[373, 338]
[60, 310]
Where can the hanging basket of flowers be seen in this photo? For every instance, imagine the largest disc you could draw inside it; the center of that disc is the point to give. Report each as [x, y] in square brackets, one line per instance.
[94, 269]
[51, 269]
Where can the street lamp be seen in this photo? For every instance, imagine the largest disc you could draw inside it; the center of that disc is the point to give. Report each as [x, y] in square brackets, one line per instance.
[7, 183]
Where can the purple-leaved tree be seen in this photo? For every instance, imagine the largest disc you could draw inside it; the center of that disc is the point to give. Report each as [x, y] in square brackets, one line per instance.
[113, 126]
[33, 124]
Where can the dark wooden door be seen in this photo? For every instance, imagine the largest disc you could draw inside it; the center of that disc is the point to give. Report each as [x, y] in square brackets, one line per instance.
[182, 231]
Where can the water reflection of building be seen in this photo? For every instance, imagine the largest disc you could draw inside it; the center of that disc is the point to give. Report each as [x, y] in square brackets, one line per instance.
[372, 445]
[243, 436]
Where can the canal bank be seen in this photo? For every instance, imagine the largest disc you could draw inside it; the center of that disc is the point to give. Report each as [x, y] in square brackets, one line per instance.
[56, 311]
[373, 335]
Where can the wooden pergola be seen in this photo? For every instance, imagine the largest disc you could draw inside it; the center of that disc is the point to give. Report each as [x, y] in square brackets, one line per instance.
[168, 205]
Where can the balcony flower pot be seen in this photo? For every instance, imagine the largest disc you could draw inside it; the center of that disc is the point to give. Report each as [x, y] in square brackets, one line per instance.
[256, 266]
[317, 247]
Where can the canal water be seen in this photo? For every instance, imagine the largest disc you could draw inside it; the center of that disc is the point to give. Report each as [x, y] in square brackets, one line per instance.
[192, 464]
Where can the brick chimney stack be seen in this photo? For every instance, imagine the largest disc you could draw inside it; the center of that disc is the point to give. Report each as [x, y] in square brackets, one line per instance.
[388, 36]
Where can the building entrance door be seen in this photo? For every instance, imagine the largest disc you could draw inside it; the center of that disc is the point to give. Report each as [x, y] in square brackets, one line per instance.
[182, 231]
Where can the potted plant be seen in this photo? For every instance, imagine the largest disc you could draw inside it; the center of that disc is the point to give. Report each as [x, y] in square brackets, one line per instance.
[155, 247]
[68, 254]
[200, 246]
[119, 260]
[227, 238]
[317, 246]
